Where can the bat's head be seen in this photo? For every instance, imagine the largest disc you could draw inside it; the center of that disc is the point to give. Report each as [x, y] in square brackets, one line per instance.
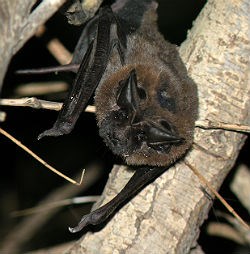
[147, 116]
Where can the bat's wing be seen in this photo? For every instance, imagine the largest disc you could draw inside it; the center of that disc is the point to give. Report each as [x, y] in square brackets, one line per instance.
[87, 36]
[157, 135]
[142, 177]
[90, 72]
[130, 14]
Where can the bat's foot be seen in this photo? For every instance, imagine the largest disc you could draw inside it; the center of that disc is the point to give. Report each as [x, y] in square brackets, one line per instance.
[94, 218]
[56, 131]
[51, 132]
[85, 221]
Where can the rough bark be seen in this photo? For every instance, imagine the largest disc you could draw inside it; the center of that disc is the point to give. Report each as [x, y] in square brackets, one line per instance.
[18, 24]
[166, 216]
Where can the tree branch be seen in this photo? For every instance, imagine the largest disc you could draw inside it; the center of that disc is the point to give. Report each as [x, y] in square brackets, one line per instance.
[18, 24]
[172, 209]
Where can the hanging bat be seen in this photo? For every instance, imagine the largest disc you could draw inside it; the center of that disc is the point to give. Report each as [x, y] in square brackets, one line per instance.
[146, 105]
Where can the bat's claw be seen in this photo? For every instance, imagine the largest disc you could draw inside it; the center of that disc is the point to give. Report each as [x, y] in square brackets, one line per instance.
[57, 130]
[85, 221]
[96, 217]
[51, 132]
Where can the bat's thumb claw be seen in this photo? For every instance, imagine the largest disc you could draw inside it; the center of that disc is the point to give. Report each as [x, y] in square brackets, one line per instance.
[83, 223]
[74, 230]
[43, 134]
[54, 132]
[49, 132]
[96, 217]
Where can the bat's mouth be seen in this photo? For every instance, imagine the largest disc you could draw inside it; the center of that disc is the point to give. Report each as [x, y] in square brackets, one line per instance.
[148, 137]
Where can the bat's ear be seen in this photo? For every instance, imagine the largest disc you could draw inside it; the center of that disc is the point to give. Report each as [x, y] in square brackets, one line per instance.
[129, 95]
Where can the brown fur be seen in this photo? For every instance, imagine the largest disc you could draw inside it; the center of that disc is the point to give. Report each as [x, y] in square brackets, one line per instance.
[158, 67]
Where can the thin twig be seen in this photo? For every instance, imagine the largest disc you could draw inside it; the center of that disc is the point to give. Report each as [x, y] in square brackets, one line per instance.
[33, 102]
[240, 185]
[206, 124]
[222, 200]
[56, 204]
[225, 231]
[38, 17]
[26, 149]
[2, 116]
[56, 48]
[23, 231]
[41, 88]
[42, 104]
[242, 231]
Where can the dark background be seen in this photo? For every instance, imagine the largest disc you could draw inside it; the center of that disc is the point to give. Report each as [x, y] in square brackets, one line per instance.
[24, 182]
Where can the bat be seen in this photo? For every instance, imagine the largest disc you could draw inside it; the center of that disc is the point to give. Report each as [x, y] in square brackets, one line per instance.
[146, 104]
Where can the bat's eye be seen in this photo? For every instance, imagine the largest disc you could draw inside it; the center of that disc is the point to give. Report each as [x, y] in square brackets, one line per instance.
[166, 101]
[141, 93]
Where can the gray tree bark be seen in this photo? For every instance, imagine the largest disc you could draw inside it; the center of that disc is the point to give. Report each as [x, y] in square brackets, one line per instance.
[18, 23]
[166, 216]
